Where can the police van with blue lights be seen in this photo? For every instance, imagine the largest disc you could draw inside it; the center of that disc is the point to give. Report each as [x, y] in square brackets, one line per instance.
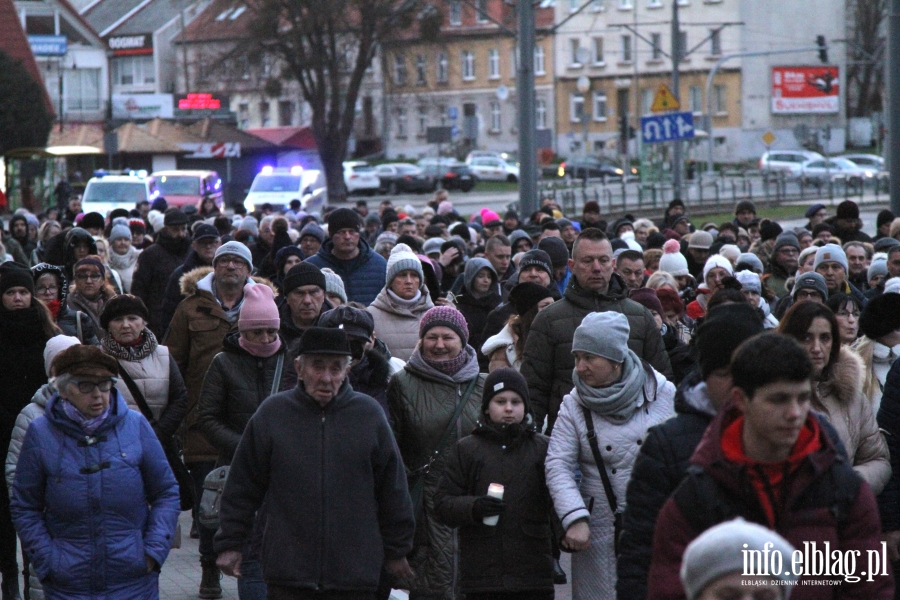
[278, 186]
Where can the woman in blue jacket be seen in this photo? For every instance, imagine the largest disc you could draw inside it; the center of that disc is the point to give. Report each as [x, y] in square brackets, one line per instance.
[94, 500]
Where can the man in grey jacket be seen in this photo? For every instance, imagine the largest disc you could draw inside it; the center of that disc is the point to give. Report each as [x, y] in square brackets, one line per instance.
[337, 505]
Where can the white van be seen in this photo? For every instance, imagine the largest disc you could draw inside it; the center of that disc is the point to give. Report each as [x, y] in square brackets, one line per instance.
[279, 185]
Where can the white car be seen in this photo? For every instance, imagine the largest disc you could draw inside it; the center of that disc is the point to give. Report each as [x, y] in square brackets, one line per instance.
[819, 171]
[360, 177]
[789, 162]
[493, 169]
[868, 161]
[278, 186]
[105, 193]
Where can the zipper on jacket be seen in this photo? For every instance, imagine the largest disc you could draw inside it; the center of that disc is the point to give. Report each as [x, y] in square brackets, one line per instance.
[322, 493]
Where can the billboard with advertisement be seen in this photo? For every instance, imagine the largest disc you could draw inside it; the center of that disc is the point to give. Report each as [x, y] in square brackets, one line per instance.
[138, 107]
[130, 45]
[805, 90]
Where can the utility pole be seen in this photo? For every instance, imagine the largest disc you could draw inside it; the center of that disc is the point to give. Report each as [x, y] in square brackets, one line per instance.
[893, 73]
[676, 64]
[528, 200]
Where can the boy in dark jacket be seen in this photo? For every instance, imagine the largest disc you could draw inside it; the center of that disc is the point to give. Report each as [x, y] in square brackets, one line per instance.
[766, 458]
[511, 559]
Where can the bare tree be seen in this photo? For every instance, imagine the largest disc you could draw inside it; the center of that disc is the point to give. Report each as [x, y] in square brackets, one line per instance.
[866, 55]
[327, 46]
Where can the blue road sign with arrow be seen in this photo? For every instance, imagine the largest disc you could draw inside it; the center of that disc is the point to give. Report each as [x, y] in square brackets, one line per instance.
[667, 127]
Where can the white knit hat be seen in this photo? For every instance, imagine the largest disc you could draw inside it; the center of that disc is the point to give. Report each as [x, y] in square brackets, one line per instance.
[673, 261]
[54, 346]
[402, 258]
[749, 281]
[717, 260]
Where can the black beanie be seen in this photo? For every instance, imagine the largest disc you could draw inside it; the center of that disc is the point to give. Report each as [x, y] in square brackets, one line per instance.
[92, 220]
[556, 250]
[174, 217]
[769, 230]
[303, 274]
[884, 217]
[725, 328]
[342, 218]
[121, 305]
[14, 275]
[502, 380]
[881, 316]
[526, 296]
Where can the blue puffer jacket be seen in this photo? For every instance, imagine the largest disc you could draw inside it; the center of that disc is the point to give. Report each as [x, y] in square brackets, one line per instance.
[89, 508]
[363, 276]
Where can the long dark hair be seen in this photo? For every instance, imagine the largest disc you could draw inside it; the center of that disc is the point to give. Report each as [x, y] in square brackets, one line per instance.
[520, 326]
[797, 321]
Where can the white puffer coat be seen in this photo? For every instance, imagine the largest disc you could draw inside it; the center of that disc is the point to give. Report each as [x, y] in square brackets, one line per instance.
[151, 376]
[594, 570]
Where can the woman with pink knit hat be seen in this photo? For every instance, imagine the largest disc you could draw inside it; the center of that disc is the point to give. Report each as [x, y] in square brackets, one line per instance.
[249, 369]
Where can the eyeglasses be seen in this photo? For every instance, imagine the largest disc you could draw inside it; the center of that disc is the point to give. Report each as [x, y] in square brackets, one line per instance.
[86, 387]
[844, 313]
[236, 262]
[807, 294]
[89, 277]
[47, 290]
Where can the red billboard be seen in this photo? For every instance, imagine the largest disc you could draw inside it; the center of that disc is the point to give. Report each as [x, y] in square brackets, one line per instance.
[805, 90]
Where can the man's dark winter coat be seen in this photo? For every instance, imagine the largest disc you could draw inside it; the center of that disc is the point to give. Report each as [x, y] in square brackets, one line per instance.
[154, 267]
[363, 276]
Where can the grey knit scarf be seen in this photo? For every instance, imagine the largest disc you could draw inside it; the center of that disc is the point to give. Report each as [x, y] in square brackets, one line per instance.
[618, 401]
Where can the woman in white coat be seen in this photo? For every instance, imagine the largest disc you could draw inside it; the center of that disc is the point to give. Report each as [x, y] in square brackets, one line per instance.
[623, 397]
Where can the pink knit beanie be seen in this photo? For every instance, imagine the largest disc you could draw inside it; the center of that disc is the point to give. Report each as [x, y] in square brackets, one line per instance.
[258, 310]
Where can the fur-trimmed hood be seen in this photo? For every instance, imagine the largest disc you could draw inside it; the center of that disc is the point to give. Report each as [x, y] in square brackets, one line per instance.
[845, 376]
[188, 282]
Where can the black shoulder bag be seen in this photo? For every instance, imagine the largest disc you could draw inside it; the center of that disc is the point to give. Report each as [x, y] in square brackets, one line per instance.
[607, 484]
[169, 446]
[417, 489]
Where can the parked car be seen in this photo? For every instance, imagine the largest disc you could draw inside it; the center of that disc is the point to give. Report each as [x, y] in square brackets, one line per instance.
[819, 171]
[452, 174]
[490, 168]
[278, 186]
[183, 187]
[590, 167]
[869, 161]
[360, 178]
[110, 190]
[403, 177]
[789, 162]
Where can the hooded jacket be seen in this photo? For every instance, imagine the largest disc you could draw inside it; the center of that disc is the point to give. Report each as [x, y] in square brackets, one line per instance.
[397, 325]
[154, 266]
[72, 238]
[68, 320]
[548, 362]
[822, 500]
[352, 511]
[363, 276]
[89, 509]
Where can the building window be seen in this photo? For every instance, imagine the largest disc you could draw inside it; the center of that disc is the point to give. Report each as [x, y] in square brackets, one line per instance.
[598, 5]
[455, 12]
[574, 47]
[82, 89]
[243, 115]
[399, 69]
[539, 67]
[442, 67]
[420, 69]
[624, 4]
[656, 46]
[494, 63]
[598, 51]
[468, 65]
[654, 3]
[720, 100]
[540, 114]
[401, 122]
[600, 106]
[715, 42]
[285, 113]
[626, 48]
[423, 120]
[134, 70]
[481, 14]
[576, 107]
[646, 100]
[573, 5]
[695, 99]
[495, 116]
[265, 118]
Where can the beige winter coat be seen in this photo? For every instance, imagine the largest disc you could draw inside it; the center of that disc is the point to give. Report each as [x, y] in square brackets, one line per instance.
[396, 325]
[842, 400]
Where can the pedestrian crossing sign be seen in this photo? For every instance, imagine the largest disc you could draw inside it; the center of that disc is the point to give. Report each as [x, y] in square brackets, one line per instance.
[664, 100]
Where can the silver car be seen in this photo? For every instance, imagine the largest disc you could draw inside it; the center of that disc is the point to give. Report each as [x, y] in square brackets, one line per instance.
[789, 162]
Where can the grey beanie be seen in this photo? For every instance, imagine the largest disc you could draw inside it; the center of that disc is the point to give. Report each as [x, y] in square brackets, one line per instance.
[118, 232]
[235, 249]
[787, 238]
[810, 281]
[749, 281]
[334, 284]
[831, 253]
[433, 245]
[878, 267]
[604, 334]
[751, 260]
[314, 230]
[402, 258]
[250, 224]
[473, 266]
[719, 551]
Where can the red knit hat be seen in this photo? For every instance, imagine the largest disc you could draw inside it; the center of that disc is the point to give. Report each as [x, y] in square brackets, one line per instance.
[670, 300]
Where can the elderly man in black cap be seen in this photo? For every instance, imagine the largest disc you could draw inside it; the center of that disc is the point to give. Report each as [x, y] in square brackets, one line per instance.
[348, 255]
[352, 517]
[204, 243]
[157, 263]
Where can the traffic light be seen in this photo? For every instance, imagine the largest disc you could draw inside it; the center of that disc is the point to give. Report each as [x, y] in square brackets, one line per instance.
[823, 48]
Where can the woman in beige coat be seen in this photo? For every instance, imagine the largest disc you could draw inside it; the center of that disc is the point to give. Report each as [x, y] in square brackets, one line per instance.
[838, 376]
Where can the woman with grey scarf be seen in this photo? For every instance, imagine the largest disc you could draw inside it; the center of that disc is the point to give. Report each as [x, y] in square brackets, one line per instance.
[623, 397]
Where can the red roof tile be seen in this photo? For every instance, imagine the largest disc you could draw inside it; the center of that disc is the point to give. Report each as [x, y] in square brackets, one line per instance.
[293, 137]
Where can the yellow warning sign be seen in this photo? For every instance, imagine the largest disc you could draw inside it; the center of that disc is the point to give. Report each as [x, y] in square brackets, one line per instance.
[768, 138]
[664, 100]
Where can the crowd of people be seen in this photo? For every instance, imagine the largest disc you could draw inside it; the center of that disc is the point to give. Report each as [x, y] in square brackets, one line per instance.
[413, 398]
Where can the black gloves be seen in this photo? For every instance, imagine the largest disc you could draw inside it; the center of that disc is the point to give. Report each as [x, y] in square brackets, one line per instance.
[487, 506]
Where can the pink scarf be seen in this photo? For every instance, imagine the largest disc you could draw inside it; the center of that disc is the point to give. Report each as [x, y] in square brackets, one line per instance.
[258, 349]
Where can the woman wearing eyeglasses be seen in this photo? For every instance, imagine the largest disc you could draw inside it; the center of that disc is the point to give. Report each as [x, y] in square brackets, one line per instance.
[52, 289]
[91, 291]
[94, 499]
[25, 327]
